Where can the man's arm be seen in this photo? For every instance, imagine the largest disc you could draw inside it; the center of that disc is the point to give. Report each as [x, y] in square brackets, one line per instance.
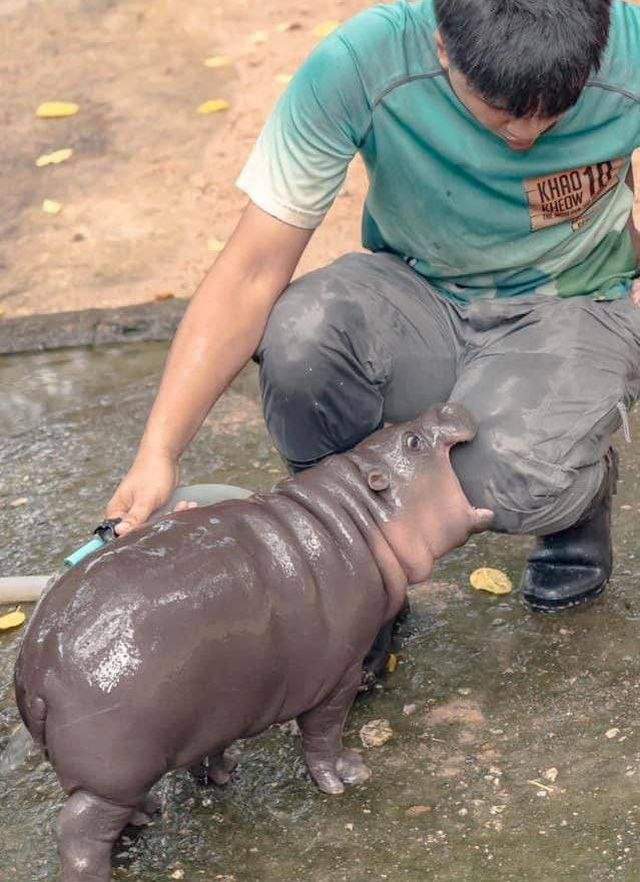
[217, 336]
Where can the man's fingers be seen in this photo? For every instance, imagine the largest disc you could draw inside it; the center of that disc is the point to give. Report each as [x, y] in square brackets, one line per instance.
[135, 517]
[635, 293]
[184, 505]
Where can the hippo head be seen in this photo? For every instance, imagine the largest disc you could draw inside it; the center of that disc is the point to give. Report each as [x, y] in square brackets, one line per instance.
[420, 506]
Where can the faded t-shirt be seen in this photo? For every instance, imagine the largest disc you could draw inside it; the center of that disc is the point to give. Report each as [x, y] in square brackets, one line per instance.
[446, 194]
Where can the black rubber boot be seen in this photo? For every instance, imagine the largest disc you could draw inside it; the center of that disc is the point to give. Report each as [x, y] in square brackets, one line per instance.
[573, 567]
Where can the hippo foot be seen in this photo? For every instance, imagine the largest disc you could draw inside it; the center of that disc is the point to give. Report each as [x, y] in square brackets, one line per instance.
[143, 815]
[221, 766]
[332, 774]
[216, 768]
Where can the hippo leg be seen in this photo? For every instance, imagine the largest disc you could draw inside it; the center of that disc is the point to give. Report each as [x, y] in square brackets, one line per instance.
[87, 829]
[330, 765]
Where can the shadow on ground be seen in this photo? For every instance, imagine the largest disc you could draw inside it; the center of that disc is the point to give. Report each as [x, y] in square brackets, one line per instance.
[502, 698]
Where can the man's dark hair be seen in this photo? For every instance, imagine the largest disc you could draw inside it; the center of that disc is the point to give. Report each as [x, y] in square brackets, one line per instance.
[529, 57]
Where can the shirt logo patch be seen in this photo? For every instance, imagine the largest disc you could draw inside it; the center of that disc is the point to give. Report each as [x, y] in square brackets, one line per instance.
[568, 195]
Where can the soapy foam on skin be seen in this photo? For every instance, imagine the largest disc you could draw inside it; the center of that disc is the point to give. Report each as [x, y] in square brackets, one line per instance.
[107, 651]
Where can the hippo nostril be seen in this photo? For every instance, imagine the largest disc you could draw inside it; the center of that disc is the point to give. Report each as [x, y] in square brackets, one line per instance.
[453, 411]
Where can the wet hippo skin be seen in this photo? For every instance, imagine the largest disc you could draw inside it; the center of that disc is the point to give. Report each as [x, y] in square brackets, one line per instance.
[213, 623]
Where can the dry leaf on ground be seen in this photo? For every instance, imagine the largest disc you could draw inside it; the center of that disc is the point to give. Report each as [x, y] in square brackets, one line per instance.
[326, 28]
[376, 733]
[416, 810]
[259, 37]
[216, 245]
[56, 109]
[54, 158]
[284, 79]
[285, 26]
[392, 663]
[541, 786]
[218, 61]
[493, 581]
[12, 620]
[214, 106]
[50, 206]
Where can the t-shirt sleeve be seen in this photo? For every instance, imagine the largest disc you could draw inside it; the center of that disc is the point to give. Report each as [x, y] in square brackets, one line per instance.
[300, 159]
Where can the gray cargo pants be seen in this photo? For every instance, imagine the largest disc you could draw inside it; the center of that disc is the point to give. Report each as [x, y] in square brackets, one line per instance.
[367, 341]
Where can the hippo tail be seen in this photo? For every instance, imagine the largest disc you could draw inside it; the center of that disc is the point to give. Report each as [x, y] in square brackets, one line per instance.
[32, 707]
[34, 716]
[36, 721]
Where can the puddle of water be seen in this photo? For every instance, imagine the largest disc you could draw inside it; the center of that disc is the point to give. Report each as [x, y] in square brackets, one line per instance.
[501, 696]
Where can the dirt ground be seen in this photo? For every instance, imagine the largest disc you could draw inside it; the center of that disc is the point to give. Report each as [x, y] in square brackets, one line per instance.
[150, 182]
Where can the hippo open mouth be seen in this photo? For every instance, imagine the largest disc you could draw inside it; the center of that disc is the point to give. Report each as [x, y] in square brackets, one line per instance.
[452, 424]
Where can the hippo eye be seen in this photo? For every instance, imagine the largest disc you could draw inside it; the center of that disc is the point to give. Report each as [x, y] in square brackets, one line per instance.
[413, 442]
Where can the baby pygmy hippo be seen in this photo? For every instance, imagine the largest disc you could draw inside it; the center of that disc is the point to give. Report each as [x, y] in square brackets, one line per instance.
[213, 623]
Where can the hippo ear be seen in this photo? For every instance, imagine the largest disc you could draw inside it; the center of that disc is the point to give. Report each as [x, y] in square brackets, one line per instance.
[378, 479]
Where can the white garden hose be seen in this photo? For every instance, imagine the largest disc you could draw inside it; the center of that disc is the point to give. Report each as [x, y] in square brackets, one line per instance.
[22, 589]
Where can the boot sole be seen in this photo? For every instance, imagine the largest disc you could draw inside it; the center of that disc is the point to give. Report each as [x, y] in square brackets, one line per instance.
[553, 606]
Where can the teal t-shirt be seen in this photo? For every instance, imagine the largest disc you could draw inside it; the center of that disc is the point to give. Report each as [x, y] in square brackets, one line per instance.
[446, 194]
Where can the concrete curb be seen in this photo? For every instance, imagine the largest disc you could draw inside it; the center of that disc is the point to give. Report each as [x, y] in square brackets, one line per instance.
[91, 327]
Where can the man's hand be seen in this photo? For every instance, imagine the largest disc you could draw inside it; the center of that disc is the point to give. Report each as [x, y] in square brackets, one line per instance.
[635, 171]
[148, 485]
[219, 333]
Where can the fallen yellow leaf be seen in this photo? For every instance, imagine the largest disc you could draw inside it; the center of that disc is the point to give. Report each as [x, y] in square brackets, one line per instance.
[326, 28]
[259, 37]
[493, 581]
[376, 733]
[416, 810]
[218, 61]
[216, 245]
[284, 78]
[55, 109]
[54, 158]
[214, 106]
[1, 312]
[541, 786]
[12, 620]
[166, 295]
[392, 663]
[50, 206]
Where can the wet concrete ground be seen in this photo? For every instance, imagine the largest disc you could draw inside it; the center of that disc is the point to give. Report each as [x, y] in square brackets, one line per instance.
[501, 696]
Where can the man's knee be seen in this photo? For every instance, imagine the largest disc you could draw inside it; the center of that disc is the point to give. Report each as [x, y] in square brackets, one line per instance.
[301, 355]
[318, 392]
[310, 330]
[528, 495]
